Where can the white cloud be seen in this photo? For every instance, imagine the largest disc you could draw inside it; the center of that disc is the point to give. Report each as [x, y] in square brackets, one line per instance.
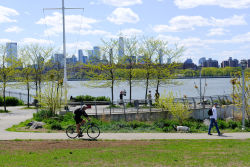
[5, 13]
[217, 31]
[122, 3]
[131, 32]
[73, 23]
[14, 29]
[193, 41]
[94, 32]
[3, 41]
[237, 4]
[180, 23]
[34, 40]
[73, 47]
[123, 15]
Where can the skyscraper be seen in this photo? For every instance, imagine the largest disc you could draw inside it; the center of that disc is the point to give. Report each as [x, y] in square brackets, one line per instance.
[201, 61]
[58, 59]
[80, 55]
[161, 57]
[121, 49]
[11, 52]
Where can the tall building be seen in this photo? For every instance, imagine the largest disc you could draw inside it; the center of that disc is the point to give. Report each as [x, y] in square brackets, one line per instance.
[11, 52]
[58, 60]
[230, 63]
[121, 49]
[72, 60]
[97, 52]
[161, 57]
[80, 55]
[188, 64]
[201, 61]
[210, 63]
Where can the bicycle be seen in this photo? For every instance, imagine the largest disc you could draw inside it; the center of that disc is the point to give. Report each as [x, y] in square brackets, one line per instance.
[90, 128]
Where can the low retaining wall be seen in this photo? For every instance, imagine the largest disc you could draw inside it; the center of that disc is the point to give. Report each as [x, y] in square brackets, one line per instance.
[224, 112]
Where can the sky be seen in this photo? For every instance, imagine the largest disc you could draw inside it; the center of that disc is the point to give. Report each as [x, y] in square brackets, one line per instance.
[216, 29]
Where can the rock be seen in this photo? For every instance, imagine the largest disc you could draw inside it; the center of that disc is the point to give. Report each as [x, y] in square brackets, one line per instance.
[229, 119]
[37, 125]
[182, 129]
[206, 122]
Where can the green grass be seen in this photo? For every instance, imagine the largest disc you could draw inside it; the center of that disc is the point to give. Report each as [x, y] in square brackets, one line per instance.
[153, 153]
[2, 111]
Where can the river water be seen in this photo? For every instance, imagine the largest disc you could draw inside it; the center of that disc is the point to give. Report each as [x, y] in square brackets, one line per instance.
[215, 86]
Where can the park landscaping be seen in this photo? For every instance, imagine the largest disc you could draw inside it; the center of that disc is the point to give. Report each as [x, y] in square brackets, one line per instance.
[125, 153]
[58, 123]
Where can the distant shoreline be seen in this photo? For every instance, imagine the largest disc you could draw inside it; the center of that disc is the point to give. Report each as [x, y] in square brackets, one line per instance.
[174, 78]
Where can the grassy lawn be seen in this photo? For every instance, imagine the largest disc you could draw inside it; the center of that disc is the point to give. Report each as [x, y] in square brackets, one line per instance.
[125, 153]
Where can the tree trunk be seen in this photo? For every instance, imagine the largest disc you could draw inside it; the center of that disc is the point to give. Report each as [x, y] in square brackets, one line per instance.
[28, 89]
[130, 87]
[4, 100]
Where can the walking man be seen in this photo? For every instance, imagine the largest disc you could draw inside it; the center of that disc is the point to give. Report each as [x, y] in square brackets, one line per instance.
[213, 121]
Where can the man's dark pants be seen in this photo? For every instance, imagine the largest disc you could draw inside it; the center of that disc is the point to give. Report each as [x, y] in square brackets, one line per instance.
[212, 123]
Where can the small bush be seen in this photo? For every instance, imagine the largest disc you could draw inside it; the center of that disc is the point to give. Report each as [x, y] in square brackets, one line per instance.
[91, 98]
[56, 126]
[84, 98]
[1, 101]
[102, 98]
[43, 114]
[222, 124]
[10, 101]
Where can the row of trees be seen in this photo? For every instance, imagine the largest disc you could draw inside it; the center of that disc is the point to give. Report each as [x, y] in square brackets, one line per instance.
[33, 67]
[27, 69]
[150, 69]
[211, 71]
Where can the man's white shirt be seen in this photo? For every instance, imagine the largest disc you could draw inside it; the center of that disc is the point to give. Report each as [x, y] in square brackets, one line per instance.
[214, 113]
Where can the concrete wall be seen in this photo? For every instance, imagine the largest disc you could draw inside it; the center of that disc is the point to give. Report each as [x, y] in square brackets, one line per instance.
[223, 113]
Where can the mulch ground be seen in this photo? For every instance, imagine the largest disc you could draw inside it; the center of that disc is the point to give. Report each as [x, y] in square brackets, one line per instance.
[64, 144]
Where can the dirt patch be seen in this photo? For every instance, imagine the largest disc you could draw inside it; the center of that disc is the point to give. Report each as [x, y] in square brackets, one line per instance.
[65, 144]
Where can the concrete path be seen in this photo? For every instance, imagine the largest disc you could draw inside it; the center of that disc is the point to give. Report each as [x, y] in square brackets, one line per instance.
[17, 115]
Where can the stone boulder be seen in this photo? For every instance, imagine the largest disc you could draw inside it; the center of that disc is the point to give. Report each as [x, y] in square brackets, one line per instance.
[182, 129]
[36, 125]
[206, 122]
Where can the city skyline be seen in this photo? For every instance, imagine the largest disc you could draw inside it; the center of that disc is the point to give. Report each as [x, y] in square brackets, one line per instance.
[220, 34]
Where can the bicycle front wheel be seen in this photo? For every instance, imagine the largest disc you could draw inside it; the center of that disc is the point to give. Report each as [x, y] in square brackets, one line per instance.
[71, 132]
[93, 131]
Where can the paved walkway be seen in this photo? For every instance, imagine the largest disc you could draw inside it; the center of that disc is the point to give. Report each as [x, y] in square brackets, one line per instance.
[17, 115]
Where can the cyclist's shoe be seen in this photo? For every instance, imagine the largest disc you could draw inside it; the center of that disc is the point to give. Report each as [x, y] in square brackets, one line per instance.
[80, 135]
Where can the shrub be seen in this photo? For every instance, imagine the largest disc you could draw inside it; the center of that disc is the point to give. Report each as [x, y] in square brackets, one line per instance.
[233, 124]
[56, 126]
[1, 101]
[43, 114]
[91, 98]
[222, 124]
[102, 98]
[10, 101]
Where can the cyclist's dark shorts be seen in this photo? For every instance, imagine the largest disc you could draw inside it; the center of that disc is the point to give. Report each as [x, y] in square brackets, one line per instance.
[78, 119]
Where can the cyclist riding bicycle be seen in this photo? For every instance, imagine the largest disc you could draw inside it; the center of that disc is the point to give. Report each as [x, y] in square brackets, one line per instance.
[79, 121]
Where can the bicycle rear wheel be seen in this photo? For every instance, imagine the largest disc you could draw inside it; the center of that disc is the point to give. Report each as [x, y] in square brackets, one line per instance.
[93, 131]
[71, 131]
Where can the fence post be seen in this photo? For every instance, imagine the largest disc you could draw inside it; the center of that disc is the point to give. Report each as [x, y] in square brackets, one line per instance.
[95, 110]
[124, 108]
[20, 96]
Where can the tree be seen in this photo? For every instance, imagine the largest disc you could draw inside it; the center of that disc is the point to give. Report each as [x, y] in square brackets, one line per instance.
[179, 111]
[38, 55]
[27, 72]
[147, 50]
[237, 96]
[129, 61]
[8, 66]
[164, 73]
[104, 75]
